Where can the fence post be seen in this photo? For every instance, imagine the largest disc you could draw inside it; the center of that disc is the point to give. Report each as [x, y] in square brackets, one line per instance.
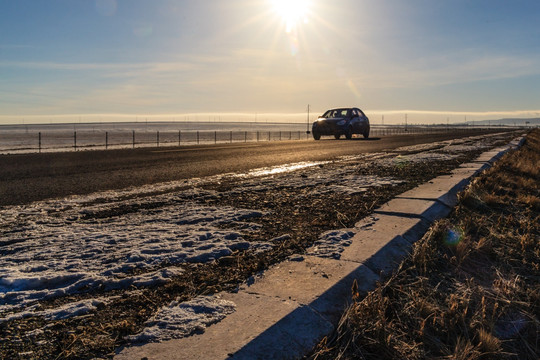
[179, 137]
[39, 141]
[133, 138]
[75, 140]
[257, 136]
[215, 137]
[269, 136]
[245, 136]
[197, 137]
[157, 138]
[231, 138]
[106, 140]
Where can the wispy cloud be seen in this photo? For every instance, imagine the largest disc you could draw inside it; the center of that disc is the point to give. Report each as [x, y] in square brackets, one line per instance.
[472, 114]
[451, 69]
[151, 67]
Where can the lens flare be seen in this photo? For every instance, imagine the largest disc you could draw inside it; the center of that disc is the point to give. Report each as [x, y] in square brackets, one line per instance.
[453, 236]
[354, 89]
[401, 161]
[293, 43]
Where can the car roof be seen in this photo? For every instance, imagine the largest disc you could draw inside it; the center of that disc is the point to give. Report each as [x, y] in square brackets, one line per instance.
[342, 108]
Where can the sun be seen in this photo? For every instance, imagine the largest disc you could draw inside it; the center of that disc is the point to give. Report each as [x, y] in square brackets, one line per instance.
[291, 11]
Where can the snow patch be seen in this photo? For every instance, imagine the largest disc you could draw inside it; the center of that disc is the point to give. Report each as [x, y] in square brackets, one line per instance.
[403, 160]
[48, 255]
[331, 243]
[66, 311]
[331, 180]
[178, 320]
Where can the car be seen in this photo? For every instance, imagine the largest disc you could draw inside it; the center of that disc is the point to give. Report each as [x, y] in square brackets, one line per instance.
[341, 121]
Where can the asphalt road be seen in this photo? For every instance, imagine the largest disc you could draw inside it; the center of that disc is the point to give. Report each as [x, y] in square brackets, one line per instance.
[29, 177]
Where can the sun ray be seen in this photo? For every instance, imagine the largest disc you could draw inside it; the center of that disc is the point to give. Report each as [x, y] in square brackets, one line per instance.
[292, 12]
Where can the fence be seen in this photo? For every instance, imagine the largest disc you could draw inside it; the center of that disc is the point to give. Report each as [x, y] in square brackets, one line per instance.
[77, 140]
[88, 139]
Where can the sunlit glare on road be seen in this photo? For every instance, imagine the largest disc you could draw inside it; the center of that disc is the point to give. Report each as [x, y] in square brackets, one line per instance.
[292, 12]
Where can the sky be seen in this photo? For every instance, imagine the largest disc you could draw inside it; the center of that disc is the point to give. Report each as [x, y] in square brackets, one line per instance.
[432, 61]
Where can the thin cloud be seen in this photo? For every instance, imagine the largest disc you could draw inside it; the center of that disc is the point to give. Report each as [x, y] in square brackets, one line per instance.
[494, 114]
[454, 69]
[151, 67]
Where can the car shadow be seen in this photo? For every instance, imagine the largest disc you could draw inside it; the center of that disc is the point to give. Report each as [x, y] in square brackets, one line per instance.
[353, 139]
[359, 139]
[368, 139]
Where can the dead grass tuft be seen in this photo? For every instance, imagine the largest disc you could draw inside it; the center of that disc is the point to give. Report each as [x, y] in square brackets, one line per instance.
[488, 343]
[471, 287]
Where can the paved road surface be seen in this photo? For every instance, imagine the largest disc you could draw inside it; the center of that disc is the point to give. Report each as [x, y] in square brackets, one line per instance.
[30, 177]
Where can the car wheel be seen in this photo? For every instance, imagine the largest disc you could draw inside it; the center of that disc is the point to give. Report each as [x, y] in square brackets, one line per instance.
[316, 135]
[366, 134]
[348, 133]
[337, 136]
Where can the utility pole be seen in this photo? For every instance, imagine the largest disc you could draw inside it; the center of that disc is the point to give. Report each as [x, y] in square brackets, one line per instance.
[307, 131]
[405, 122]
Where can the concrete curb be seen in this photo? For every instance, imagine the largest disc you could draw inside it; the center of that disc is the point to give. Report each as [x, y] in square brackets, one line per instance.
[284, 313]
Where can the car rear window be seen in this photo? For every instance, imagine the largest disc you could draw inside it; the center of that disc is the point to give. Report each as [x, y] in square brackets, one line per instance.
[336, 113]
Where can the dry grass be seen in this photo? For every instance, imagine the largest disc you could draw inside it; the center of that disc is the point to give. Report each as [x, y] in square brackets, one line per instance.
[470, 289]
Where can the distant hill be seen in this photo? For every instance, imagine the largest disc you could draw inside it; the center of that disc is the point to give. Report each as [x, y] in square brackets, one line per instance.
[508, 121]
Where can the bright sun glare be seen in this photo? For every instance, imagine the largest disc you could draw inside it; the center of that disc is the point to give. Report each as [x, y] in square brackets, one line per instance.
[291, 11]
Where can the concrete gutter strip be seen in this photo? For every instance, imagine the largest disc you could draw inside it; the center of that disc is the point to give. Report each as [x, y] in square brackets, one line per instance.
[287, 310]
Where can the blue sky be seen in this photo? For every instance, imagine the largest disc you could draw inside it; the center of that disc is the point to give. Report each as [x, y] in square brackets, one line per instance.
[63, 60]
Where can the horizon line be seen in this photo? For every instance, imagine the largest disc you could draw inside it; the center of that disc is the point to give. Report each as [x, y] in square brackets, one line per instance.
[393, 116]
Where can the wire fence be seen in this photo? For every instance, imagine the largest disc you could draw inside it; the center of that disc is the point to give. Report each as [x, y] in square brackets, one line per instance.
[44, 141]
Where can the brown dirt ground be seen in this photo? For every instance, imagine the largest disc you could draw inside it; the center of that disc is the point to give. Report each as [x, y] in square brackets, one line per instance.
[304, 216]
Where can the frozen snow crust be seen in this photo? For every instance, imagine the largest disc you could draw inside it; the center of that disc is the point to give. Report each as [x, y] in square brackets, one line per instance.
[53, 253]
[142, 236]
[178, 320]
